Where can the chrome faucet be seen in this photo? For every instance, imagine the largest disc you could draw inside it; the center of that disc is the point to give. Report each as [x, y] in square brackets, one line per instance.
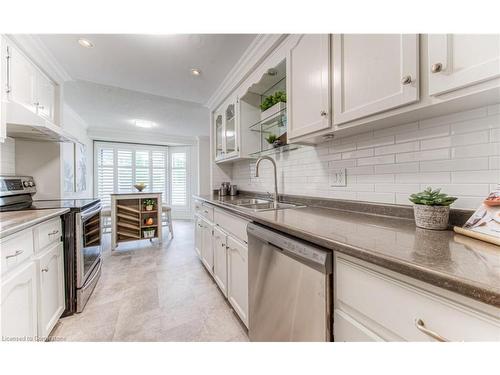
[275, 201]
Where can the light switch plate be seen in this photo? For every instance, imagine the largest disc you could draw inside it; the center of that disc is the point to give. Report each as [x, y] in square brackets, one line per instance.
[339, 177]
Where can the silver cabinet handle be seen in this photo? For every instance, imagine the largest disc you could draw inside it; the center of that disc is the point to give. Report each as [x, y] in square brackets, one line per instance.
[323, 113]
[406, 80]
[436, 68]
[419, 323]
[18, 252]
[7, 86]
[53, 232]
[205, 211]
[46, 269]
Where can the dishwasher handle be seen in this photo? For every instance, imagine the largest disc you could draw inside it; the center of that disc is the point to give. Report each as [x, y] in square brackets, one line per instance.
[305, 253]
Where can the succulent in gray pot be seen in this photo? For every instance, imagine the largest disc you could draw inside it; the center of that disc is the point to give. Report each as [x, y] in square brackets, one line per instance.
[431, 209]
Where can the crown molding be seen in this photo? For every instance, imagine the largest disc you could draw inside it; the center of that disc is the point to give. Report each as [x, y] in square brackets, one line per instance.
[151, 138]
[257, 51]
[32, 46]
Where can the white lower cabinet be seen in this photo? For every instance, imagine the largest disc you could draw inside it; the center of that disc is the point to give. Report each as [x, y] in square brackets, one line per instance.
[19, 303]
[198, 230]
[237, 277]
[372, 303]
[222, 248]
[50, 268]
[207, 248]
[32, 282]
[220, 259]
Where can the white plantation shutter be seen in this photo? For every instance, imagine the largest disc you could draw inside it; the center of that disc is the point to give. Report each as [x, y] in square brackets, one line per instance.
[119, 166]
[179, 179]
[105, 174]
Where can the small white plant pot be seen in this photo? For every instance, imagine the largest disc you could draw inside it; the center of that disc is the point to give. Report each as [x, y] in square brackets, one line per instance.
[271, 111]
[431, 217]
[149, 208]
[150, 233]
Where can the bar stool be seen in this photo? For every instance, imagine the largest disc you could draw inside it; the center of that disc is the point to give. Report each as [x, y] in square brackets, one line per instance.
[106, 219]
[166, 212]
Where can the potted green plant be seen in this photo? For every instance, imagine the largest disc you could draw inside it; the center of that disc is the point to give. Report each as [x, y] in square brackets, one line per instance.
[149, 204]
[431, 209]
[273, 104]
[274, 140]
[148, 233]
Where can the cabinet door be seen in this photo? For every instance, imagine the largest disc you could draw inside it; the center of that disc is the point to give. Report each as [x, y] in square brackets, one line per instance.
[373, 73]
[19, 303]
[198, 233]
[21, 79]
[44, 96]
[220, 259]
[230, 129]
[237, 277]
[308, 83]
[207, 248]
[459, 60]
[3, 89]
[50, 289]
[219, 135]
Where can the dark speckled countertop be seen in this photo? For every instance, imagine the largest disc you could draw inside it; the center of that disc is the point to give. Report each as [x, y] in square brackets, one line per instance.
[442, 258]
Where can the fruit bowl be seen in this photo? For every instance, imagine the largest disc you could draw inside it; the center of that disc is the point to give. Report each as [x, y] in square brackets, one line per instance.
[140, 187]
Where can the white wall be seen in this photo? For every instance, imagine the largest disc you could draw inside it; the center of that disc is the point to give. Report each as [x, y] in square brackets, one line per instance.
[459, 153]
[74, 124]
[203, 165]
[8, 157]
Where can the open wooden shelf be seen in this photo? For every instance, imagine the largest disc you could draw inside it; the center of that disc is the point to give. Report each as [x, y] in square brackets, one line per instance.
[149, 226]
[127, 208]
[149, 212]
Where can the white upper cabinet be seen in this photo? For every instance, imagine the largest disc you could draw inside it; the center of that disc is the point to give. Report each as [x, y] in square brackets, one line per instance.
[44, 94]
[21, 79]
[460, 60]
[3, 89]
[373, 73]
[28, 86]
[230, 129]
[308, 83]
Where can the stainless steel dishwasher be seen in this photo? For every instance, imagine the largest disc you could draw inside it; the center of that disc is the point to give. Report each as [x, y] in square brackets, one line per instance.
[289, 282]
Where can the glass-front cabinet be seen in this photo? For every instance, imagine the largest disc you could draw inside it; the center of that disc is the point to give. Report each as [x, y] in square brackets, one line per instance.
[230, 130]
[219, 132]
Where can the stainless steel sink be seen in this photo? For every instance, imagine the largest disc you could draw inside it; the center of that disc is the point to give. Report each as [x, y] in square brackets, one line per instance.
[262, 204]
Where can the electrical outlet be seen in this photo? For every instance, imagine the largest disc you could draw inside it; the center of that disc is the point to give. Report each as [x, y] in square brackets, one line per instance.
[339, 177]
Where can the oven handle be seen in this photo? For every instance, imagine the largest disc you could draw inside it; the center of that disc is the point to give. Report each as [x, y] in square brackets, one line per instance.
[87, 214]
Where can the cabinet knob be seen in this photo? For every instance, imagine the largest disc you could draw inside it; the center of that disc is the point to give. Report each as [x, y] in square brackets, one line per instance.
[46, 269]
[436, 68]
[323, 113]
[406, 80]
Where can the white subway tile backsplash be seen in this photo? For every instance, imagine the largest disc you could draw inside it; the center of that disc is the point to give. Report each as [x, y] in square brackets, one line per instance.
[386, 159]
[458, 152]
[443, 153]
[397, 148]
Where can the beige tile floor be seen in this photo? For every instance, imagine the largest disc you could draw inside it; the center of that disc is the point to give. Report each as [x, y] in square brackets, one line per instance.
[154, 293]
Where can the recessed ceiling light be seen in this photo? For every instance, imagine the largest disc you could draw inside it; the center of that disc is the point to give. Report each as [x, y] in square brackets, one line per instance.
[144, 124]
[85, 43]
[195, 72]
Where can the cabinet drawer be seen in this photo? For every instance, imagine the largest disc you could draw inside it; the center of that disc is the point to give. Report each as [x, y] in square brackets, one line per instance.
[15, 249]
[392, 308]
[232, 224]
[197, 207]
[207, 211]
[47, 233]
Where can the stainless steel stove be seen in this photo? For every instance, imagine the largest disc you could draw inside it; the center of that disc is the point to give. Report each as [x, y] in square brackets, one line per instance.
[82, 235]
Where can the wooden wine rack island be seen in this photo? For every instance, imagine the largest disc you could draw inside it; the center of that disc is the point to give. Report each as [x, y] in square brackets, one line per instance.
[131, 221]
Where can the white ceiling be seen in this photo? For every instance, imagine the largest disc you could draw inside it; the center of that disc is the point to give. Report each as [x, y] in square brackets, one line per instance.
[153, 64]
[104, 107]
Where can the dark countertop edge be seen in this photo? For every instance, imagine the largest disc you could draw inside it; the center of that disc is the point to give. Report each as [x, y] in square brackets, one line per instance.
[482, 293]
[25, 225]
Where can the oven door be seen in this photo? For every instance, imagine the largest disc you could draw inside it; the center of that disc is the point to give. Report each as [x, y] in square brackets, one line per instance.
[88, 243]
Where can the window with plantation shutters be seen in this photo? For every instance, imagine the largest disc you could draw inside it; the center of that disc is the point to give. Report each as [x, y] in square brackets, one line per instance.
[179, 178]
[118, 166]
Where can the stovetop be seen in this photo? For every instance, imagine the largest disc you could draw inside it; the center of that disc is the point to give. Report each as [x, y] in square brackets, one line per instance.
[73, 204]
